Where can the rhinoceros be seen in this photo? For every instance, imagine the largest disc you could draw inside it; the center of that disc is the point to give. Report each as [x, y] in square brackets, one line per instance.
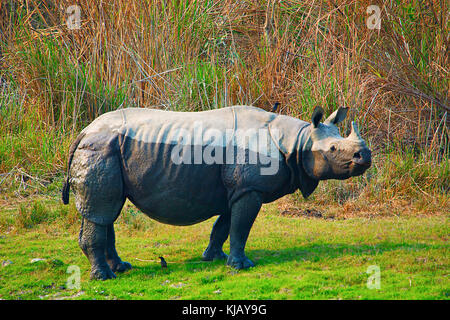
[182, 168]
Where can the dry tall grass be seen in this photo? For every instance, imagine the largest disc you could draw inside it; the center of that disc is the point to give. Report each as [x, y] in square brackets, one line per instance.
[195, 55]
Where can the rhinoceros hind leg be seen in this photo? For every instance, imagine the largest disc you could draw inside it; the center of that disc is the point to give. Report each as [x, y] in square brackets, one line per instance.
[219, 235]
[116, 264]
[243, 214]
[92, 241]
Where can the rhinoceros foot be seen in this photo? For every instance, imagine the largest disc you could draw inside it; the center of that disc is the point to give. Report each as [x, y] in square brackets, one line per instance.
[121, 266]
[210, 255]
[240, 262]
[102, 273]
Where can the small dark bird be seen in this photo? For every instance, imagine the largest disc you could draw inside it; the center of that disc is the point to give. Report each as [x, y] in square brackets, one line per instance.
[275, 107]
[163, 263]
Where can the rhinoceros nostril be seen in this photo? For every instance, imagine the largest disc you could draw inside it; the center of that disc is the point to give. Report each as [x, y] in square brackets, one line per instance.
[362, 158]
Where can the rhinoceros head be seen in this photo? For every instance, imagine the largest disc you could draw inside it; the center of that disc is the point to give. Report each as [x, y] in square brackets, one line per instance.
[327, 155]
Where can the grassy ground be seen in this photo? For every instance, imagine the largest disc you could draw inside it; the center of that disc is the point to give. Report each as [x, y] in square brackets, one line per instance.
[297, 258]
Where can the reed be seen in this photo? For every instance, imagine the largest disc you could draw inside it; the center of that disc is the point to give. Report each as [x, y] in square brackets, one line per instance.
[203, 54]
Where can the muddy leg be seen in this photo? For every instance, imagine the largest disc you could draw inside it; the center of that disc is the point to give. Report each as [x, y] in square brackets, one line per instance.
[219, 235]
[243, 214]
[113, 259]
[92, 241]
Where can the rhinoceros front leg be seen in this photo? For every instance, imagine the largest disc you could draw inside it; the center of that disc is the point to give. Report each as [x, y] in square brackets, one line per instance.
[243, 214]
[116, 264]
[92, 241]
[219, 234]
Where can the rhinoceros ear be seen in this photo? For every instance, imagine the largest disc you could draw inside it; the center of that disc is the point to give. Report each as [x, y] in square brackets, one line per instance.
[337, 116]
[317, 116]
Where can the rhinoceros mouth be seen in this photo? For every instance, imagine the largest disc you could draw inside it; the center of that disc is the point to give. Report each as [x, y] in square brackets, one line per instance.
[361, 163]
[359, 168]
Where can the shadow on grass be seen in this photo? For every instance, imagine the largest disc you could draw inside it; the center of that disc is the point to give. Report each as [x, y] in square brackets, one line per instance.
[189, 265]
[318, 252]
[312, 253]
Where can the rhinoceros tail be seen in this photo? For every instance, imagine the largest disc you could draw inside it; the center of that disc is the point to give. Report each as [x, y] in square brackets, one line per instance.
[65, 192]
[66, 187]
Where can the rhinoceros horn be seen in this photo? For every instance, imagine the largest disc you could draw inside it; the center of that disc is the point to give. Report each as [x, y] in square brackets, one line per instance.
[354, 134]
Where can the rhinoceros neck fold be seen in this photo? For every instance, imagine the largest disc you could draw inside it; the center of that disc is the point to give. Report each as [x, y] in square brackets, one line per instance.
[305, 183]
[290, 135]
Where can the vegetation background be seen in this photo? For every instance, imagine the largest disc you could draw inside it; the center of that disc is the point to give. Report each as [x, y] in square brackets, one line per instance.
[204, 54]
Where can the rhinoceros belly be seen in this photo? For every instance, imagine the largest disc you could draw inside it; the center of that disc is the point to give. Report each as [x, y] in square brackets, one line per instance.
[167, 191]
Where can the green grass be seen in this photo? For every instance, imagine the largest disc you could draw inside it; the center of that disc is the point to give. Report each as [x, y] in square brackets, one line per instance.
[296, 258]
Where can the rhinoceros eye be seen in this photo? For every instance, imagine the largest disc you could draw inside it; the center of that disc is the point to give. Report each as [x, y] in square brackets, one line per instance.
[333, 148]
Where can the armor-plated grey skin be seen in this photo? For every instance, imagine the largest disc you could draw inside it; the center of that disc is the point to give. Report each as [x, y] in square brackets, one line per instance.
[182, 168]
